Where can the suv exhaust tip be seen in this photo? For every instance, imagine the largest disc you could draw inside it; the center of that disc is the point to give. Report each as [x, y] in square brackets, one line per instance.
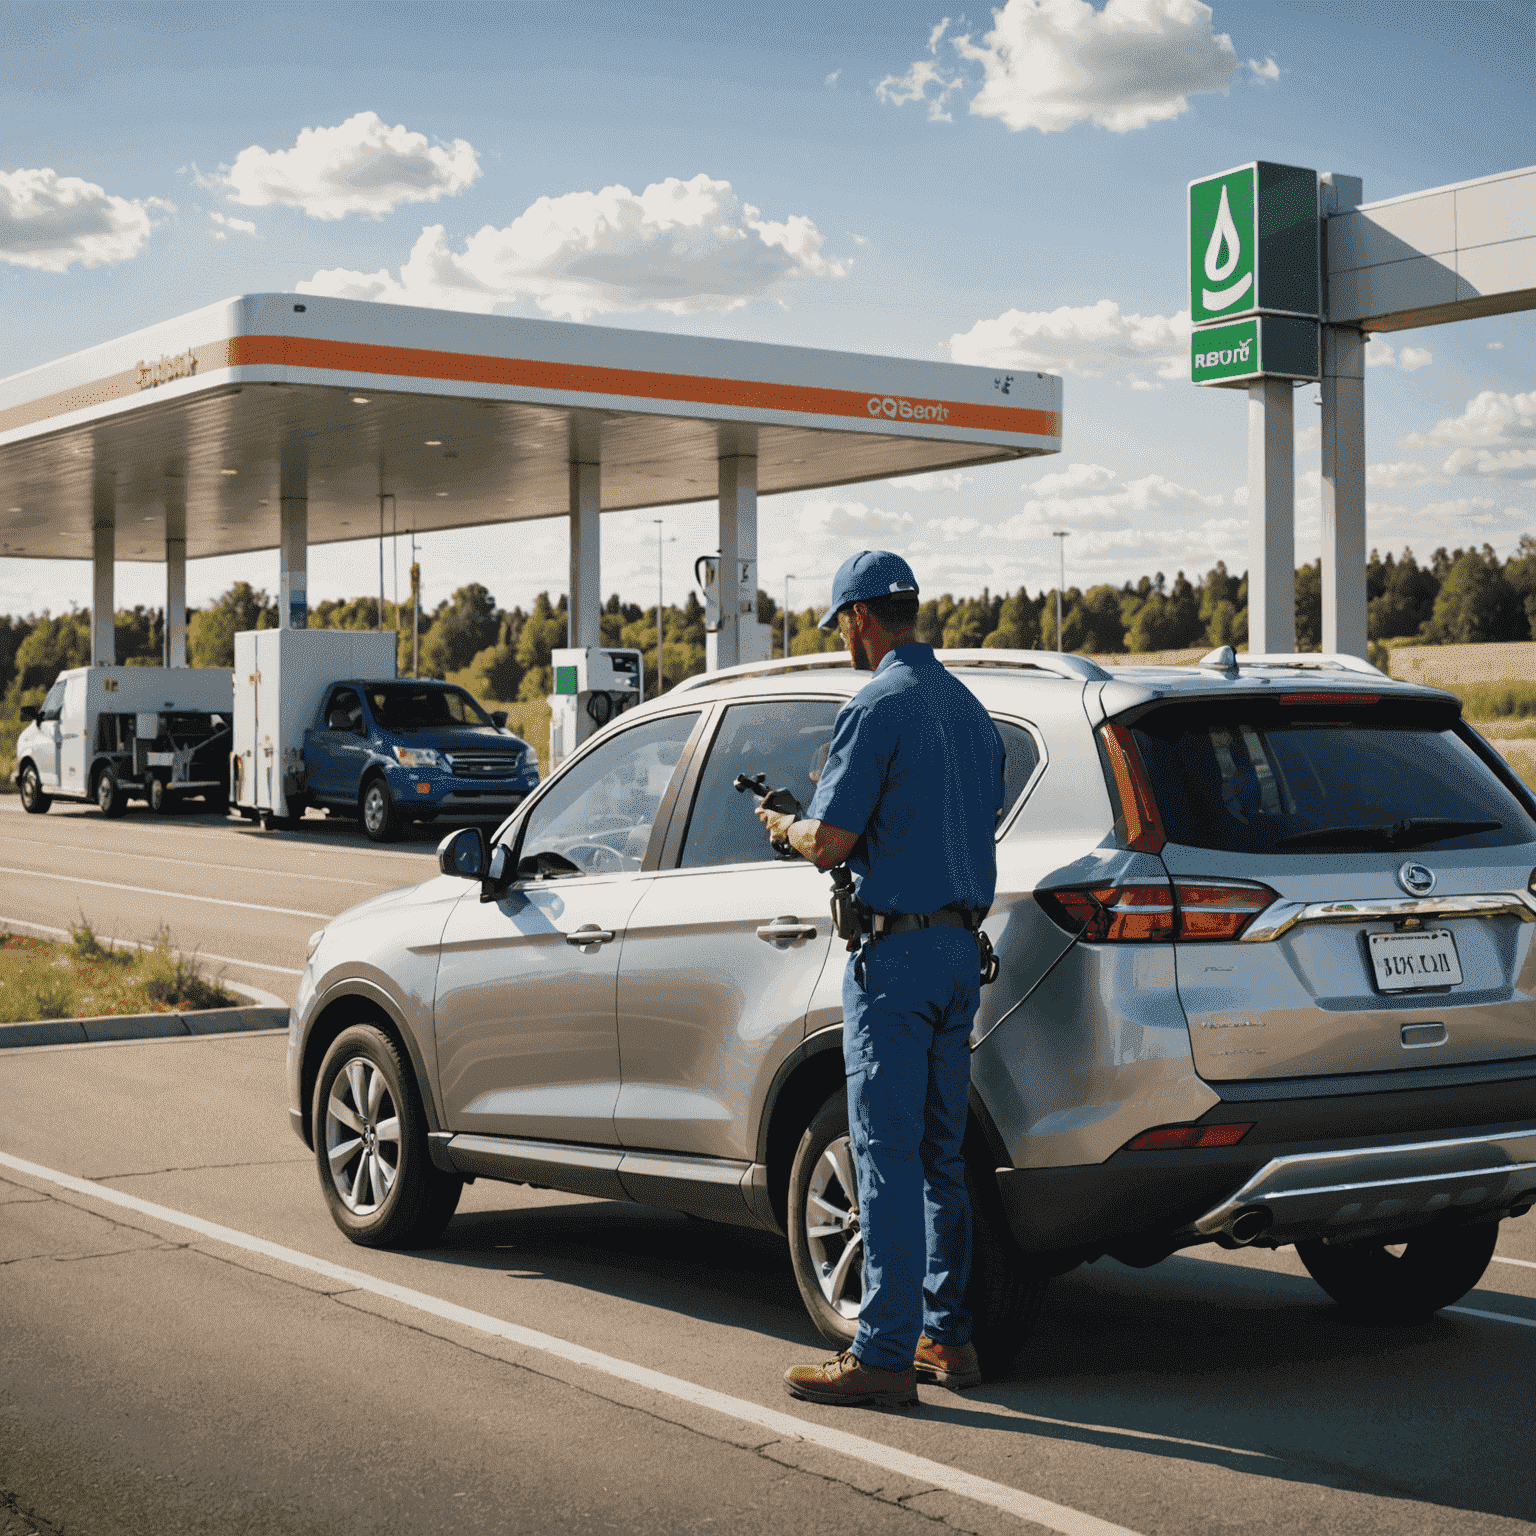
[1249, 1224]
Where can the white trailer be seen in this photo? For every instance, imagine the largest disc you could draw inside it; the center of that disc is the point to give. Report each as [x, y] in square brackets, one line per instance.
[115, 734]
[280, 677]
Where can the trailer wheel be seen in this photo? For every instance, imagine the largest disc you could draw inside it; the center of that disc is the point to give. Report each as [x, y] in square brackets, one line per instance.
[381, 821]
[33, 801]
[160, 798]
[110, 799]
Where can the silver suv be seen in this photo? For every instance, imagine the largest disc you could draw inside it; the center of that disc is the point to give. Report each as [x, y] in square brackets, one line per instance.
[1265, 927]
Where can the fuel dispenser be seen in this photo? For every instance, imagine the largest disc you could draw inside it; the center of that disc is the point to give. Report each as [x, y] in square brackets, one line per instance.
[592, 685]
[753, 641]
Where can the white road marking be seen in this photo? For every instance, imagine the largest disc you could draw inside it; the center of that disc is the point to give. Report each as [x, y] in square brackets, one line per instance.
[234, 869]
[1012, 1501]
[149, 890]
[1498, 1317]
[63, 933]
[1499, 1258]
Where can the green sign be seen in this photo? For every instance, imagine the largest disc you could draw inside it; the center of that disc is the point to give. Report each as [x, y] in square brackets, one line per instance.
[1262, 346]
[1253, 243]
[565, 680]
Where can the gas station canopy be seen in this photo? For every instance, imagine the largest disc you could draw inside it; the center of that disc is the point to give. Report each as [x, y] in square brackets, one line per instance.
[198, 428]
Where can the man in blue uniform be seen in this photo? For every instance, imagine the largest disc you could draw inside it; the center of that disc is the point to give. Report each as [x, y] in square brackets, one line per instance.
[909, 798]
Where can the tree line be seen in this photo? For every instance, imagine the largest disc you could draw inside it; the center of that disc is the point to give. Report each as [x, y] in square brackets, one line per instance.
[1456, 597]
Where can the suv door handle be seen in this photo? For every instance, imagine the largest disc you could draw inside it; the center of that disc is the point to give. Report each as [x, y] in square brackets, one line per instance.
[782, 928]
[589, 933]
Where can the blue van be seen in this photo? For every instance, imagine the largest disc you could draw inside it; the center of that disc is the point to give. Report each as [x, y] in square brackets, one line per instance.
[412, 749]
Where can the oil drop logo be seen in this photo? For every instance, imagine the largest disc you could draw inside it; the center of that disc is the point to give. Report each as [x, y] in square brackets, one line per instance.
[1222, 256]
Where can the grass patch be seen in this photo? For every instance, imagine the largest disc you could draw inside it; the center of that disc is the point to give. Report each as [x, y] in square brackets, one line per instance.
[86, 978]
[1495, 701]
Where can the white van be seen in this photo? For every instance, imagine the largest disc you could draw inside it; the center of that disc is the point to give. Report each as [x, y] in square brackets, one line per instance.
[111, 734]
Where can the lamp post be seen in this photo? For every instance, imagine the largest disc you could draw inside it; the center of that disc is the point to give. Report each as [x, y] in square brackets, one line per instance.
[1061, 535]
[660, 672]
[788, 577]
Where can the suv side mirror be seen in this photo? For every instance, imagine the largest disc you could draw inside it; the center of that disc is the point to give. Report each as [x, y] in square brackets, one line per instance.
[498, 874]
[29, 713]
[499, 719]
[462, 854]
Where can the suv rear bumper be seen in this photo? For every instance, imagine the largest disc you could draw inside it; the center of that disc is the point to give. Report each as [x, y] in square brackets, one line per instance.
[1375, 1189]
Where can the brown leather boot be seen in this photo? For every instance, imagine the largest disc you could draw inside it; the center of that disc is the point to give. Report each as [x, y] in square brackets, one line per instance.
[849, 1381]
[947, 1365]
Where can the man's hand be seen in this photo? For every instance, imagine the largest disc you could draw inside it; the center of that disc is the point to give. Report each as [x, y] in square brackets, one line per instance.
[824, 845]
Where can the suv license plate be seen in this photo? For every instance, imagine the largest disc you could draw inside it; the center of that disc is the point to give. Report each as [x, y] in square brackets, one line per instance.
[1410, 962]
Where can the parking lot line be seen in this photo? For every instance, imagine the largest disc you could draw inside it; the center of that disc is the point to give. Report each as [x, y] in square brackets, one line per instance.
[1024, 1506]
[150, 890]
[1499, 1258]
[234, 869]
[12, 923]
[1498, 1317]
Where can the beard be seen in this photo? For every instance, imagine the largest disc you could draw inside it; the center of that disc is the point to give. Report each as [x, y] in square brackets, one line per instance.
[860, 654]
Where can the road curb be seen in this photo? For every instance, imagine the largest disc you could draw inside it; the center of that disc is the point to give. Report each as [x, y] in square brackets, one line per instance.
[141, 1026]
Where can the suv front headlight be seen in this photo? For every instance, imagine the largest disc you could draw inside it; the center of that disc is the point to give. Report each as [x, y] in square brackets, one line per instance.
[417, 757]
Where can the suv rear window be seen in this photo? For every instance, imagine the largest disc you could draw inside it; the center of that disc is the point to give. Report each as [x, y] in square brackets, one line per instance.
[1249, 777]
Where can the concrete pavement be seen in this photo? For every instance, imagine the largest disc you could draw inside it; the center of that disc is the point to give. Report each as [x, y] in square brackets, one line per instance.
[155, 1379]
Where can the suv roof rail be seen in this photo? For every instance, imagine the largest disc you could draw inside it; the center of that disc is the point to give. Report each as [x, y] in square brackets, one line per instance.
[1055, 663]
[1076, 668]
[826, 659]
[1224, 659]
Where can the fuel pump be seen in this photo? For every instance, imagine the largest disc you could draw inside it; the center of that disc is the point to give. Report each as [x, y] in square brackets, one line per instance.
[592, 685]
[732, 634]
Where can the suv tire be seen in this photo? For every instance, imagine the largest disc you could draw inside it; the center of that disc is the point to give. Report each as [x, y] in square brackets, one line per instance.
[110, 799]
[376, 811]
[1005, 1291]
[371, 1149]
[33, 801]
[1375, 1285]
[160, 797]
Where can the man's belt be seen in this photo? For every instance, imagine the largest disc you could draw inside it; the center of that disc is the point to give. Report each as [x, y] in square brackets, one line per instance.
[882, 924]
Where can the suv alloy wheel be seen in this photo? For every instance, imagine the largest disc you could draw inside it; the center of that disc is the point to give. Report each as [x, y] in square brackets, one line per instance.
[827, 1249]
[381, 821]
[371, 1146]
[110, 799]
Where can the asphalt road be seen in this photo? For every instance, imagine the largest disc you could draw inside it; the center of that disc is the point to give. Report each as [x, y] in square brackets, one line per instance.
[214, 1356]
[245, 899]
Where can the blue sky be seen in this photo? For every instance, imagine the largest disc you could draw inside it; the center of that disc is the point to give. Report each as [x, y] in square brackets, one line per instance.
[1000, 186]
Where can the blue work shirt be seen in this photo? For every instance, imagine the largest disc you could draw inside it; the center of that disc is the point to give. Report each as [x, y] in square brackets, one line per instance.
[916, 769]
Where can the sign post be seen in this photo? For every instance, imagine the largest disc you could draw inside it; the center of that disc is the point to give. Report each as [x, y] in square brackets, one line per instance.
[1254, 280]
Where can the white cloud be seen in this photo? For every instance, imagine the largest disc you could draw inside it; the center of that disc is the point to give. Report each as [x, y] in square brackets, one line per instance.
[1085, 493]
[1415, 357]
[832, 78]
[1091, 340]
[1268, 70]
[1309, 438]
[360, 166]
[1510, 463]
[1454, 511]
[821, 518]
[243, 226]
[934, 480]
[49, 222]
[954, 528]
[1240, 496]
[1049, 64]
[1490, 419]
[1379, 354]
[1402, 476]
[1495, 346]
[685, 247]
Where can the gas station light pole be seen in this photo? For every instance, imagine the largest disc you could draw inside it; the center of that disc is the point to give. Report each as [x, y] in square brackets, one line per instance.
[1061, 535]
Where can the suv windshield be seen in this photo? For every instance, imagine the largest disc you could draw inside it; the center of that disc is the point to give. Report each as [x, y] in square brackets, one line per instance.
[404, 707]
[1249, 777]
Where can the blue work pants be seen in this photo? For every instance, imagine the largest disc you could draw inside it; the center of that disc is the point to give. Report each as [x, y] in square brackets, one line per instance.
[909, 1001]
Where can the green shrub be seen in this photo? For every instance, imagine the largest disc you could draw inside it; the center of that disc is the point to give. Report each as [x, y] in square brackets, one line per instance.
[1495, 701]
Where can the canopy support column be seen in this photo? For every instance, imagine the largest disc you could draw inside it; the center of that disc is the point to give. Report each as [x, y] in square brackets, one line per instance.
[1271, 518]
[738, 639]
[293, 536]
[1343, 491]
[175, 602]
[585, 600]
[103, 595]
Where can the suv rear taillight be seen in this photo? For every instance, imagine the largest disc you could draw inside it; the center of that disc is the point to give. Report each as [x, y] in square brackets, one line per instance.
[1179, 1138]
[1143, 826]
[1139, 912]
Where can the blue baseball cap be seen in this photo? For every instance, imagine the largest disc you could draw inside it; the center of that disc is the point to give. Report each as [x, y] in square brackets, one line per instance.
[870, 573]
